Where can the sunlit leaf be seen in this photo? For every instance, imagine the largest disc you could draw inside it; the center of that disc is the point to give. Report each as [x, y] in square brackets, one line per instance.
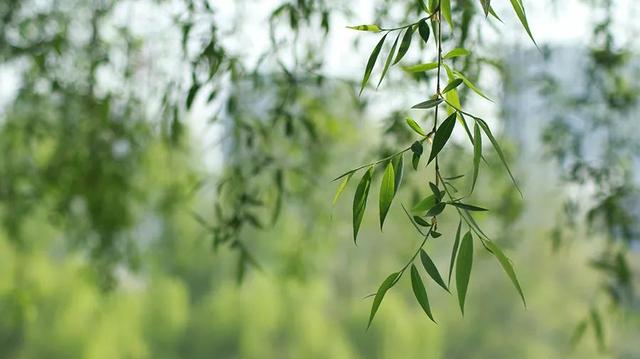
[377, 300]
[341, 187]
[387, 191]
[445, 7]
[454, 251]
[421, 67]
[506, 265]
[420, 292]
[414, 126]
[404, 44]
[360, 201]
[370, 28]
[457, 52]
[442, 136]
[464, 263]
[371, 63]
[389, 59]
[431, 269]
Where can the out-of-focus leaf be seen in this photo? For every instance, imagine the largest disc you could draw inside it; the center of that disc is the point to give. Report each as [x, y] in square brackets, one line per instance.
[578, 333]
[404, 44]
[468, 207]
[371, 63]
[457, 52]
[454, 251]
[477, 154]
[384, 287]
[341, 187]
[428, 104]
[598, 330]
[421, 67]
[360, 201]
[464, 263]
[414, 126]
[506, 265]
[420, 292]
[370, 28]
[445, 7]
[387, 191]
[442, 136]
[431, 269]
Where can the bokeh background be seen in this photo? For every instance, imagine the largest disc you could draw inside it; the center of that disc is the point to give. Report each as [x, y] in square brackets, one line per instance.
[166, 181]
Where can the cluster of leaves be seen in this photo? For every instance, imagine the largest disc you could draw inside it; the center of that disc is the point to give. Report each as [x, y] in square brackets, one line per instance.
[443, 193]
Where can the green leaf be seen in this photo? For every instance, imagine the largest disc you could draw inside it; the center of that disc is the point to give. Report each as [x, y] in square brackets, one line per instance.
[341, 187]
[578, 333]
[360, 201]
[398, 167]
[384, 287]
[518, 7]
[423, 30]
[436, 210]
[416, 148]
[370, 28]
[387, 191]
[389, 59]
[445, 7]
[452, 85]
[420, 292]
[506, 265]
[463, 268]
[442, 136]
[425, 204]
[477, 154]
[371, 63]
[486, 6]
[468, 207]
[404, 44]
[421, 221]
[459, 51]
[414, 126]
[436, 191]
[428, 104]
[597, 328]
[435, 234]
[423, 6]
[421, 67]
[496, 146]
[431, 269]
[454, 252]
[471, 85]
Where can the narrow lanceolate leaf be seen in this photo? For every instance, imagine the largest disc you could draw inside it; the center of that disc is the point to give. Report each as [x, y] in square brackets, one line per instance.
[360, 201]
[518, 7]
[578, 333]
[428, 104]
[442, 136]
[477, 154]
[370, 28]
[404, 44]
[598, 331]
[471, 85]
[371, 63]
[498, 149]
[452, 85]
[457, 52]
[436, 191]
[420, 292]
[421, 221]
[398, 167]
[436, 210]
[387, 191]
[445, 7]
[341, 187]
[463, 268]
[426, 204]
[384, 287]
[454, 252]
[389, 59]
[414, 126]
[506, 265]
[468, 207]
[421, 67]
[431, 269]
[486, 6]
[423, 30]
[423, 6]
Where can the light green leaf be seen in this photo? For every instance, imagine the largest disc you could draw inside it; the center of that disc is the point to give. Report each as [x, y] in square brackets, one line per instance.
[370, 28]
[371, 63]
[423, 30]
[421, 67]
[506, 265]
[477, 154]
[459, 51]
[445, 7]
[384, 287]
[423, 6]
[420, 292]
[414, 126]
[464, 263]
[341, 187]
[471, 85]
[404, 44]
[442, 136]
[452, 85]
[518, 7]
[360, 201]
[454, 252]
[398, 167]
[425, 204]
[496, 146]
[431, 269]
[428, 104]
[389, 59]
[387, 191]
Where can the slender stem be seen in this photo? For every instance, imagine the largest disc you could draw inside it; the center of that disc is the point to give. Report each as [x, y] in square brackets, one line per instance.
[424, 241]
[406, 26]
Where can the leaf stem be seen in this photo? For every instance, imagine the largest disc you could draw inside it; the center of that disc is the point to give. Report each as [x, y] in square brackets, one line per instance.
[406, 26]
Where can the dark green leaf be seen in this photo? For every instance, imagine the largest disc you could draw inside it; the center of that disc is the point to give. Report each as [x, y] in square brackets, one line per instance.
[389, 59]
[459, 51]
[436, 210]
[468, 207]
[421, 67]
[486, 6]
[518, 7]
[597, 328]
[424, 205]
[506, 265]
[464, 263]
[431, 269]
[415, 161]
[384, 287]
[387, 191]
[453, 177]
[417, 149]
[371, 63]
[454, 252]
[414, 126]
[421, 221]
[341, 187]
[404, 44]
[420, 292]
[435, 234]
[192, 95]
[477, 154]
[436, 191]
[423, 30]
[442, 136]
[452, 85]
[371, 28]
[360, 201]
[496, 146]
[428, 104]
